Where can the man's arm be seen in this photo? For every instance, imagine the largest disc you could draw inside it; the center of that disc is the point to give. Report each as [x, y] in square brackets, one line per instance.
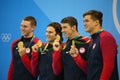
[9, 77]
[108, 47]
[57, 62]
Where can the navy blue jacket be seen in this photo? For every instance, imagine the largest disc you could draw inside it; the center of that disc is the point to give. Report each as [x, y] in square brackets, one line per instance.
[42, 63]
[18, 70]
[102, 57]
[71, 70]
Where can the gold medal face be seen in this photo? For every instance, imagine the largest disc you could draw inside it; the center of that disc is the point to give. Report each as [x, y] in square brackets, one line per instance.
[73, 43]
[39, 43]
[27, 50]
[57, 38]
[20, 44]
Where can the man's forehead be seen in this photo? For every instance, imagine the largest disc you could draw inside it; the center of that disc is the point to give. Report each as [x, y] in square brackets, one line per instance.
[65, 24]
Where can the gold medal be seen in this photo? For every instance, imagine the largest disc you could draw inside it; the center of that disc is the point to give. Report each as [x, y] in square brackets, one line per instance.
[39, 43]
[20, 44]
[57, 38]
[73, 43]
[27, 50]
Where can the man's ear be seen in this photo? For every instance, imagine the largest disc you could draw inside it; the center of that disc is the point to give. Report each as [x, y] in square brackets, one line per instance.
[97, 22]
[33, 27]
[74, 28]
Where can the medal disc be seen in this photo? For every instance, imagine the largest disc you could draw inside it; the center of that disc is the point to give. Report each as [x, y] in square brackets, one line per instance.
[20, 44]
[27, 50]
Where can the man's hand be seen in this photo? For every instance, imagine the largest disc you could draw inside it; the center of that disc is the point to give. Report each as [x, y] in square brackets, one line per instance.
[22, 51]
[56, 45]
[74, 51]
[35, 48]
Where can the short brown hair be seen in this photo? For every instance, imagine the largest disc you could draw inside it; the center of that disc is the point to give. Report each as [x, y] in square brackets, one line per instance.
[95, 15]
[71, 21]
[58, 29]
[31, 19]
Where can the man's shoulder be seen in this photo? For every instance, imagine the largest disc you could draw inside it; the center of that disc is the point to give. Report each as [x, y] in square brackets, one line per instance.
[36, 39]
[106, 34]
[15, 41]
[85, 39]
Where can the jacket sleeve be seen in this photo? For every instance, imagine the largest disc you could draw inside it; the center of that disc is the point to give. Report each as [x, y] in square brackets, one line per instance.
[81, 62]
[27, 63]
[10, 70]
[34, 64]
[57, 62]
[109, 48]
[9, 77]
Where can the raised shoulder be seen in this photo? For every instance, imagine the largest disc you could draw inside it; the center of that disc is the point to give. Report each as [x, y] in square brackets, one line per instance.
[36, 39]
[86, 39]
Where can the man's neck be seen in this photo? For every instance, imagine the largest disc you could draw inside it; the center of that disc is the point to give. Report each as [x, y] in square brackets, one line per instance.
[29, 36]
[50, 42]
[74, 35]
[96, 30]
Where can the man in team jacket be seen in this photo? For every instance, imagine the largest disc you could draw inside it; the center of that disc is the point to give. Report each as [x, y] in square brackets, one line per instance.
[44, 57]
[74, 51]
[102, 53]
[18, 69]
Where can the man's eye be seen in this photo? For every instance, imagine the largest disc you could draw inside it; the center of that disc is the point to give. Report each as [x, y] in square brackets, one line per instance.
[24, 26]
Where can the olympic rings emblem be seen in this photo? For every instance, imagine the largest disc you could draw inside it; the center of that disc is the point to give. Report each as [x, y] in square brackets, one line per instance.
[5, 37]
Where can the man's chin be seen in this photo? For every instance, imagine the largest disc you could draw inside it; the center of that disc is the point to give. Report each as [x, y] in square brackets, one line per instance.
[49, 40]
[86, 30]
